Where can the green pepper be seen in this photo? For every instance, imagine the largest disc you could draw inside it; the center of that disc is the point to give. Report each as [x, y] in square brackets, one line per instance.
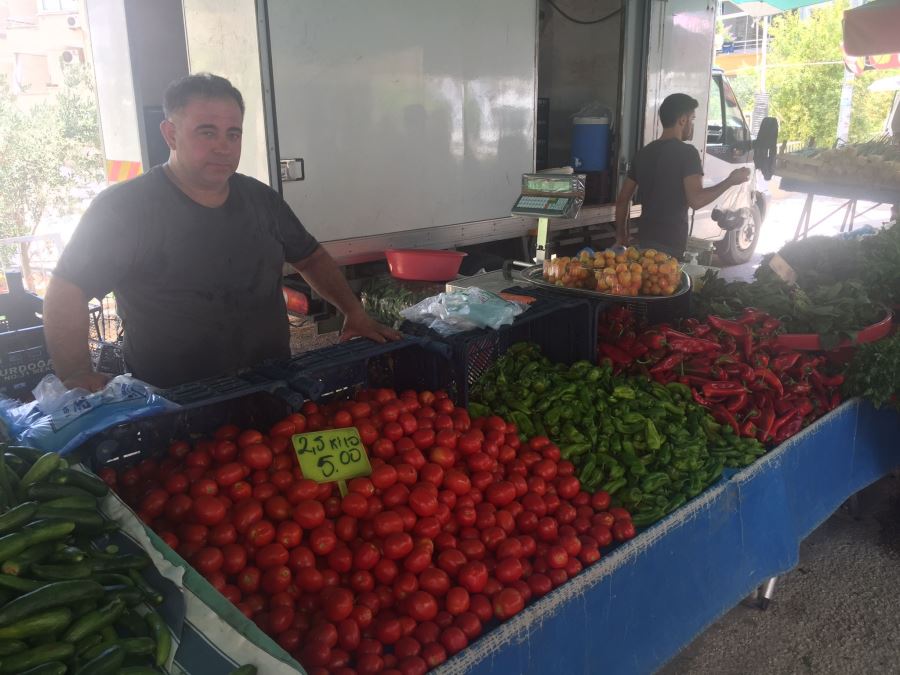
[647, 516]
[574, 450]
[523, 421]
[654, 442]
[624, 392]
[478, 410]
[676, 503]
[615, 485]
[652, 482]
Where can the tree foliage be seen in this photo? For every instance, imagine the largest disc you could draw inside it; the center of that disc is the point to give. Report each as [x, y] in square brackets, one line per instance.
[49, 149]
[806, 75]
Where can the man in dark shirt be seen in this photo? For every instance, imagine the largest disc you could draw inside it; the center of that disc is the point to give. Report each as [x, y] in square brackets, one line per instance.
[194, 253]
[668, 175]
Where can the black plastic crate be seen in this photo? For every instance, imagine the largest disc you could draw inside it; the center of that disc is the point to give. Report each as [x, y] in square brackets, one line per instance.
[338, 370]
[667, 310]
[563, 326]
[24, 361]
[127, 443]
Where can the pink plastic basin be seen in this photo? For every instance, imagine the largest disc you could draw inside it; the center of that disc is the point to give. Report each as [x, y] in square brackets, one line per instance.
[419, 264]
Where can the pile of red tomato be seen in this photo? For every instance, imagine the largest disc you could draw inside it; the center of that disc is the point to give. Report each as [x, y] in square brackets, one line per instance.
[459, 524]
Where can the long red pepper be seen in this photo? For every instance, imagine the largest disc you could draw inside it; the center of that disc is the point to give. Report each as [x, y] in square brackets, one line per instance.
[771, 379]
[732, 328]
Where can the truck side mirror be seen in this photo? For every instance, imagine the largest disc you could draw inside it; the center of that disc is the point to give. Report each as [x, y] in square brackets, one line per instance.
[765, 147]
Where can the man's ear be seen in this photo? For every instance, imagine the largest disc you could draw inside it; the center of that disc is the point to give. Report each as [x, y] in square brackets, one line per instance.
[167, 129]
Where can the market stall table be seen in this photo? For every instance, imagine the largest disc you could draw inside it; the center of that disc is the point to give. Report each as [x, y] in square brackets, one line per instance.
[851, 193]
[634, 610]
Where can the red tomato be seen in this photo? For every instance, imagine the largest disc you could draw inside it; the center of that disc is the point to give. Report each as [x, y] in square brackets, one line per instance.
[355, 505]
[177, 483]
[245, 514]
[384, 476]
[366, 556]
[421, 606]
[423, 501]
[309, 514]
[222, 534]
[261, 533]
[454, 640]
[346, 528]
[451, 561]
[263, 490]
[623, 530]
[434, 654]
[227, 431]
[481, 607]
[208, 510]
[235, 558]
[418, 559]
[154, 503]
[248, 438]
[507, 603]
[240, 491]
[229, 474]
[178, 449]
[310, 579]
[457, 600]
[322, 540]
[257, 456]
[276, 579]
[271, 555]
[248, 580]
[386, 571]
[178, 507]
[468, 623]
[434, 581]
[509, 570]
[224, 451]
[208, 560]
[278, 508]
[397, 545]
[348, 634]
[473, 576]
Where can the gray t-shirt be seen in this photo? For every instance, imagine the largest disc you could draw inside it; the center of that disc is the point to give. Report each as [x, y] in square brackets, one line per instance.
[659, 169]
[199, 289]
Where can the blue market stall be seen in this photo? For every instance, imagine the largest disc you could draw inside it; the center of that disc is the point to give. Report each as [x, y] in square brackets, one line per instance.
[634, 610]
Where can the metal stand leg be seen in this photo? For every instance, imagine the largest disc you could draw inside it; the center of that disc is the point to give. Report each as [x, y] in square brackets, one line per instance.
[805, 214]
[768, 591]
[542, 236]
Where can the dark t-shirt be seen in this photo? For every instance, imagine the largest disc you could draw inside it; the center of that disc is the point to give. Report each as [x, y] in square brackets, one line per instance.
[199, 289]
[659, 170]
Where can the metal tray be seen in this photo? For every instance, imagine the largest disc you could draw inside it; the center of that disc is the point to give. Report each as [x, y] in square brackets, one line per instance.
[535, 275]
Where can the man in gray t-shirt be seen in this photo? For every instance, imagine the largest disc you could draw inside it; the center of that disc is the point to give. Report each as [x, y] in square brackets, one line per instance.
[194, 253]
[668, 176]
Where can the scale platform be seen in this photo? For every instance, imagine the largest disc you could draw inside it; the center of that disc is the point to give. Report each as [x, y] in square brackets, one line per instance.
[495, 282]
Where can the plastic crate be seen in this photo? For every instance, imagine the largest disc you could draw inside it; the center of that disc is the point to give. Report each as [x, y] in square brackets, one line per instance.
[24, 358]
[563, 326]
[127, 443]
[337, 370]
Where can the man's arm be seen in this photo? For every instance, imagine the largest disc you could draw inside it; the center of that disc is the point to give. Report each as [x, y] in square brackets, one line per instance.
[66, 331]
[623, 202]
[699, 196]
[326, 279]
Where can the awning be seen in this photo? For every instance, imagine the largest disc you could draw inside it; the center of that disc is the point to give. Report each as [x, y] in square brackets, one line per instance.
[872, 29]
[772, 6]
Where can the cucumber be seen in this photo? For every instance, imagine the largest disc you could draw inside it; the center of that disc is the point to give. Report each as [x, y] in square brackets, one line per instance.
[63, 571]
[44, 492]
[138, 670]
[120, 563]
[88, 502]
[19, 584]
[68, 554]
[159, 631]
[107, 662]
[137, 646]
[47, 530]
[151, 594]
[7, 496]
[51, 621]
[112, 579]
[49, 668]
[82, 607]
[25, 453]
[80, 479]
[20, 564]
[244, 670]
[12, 545]
[15, 464]
[88, 643]
[94, 621]
[130, 595]
[55, 651]
[85, 520]
[5, 596]
[41, 469]
[54, 594]
[18, 516]
[8, 647]
[109, 634]
[132, 622]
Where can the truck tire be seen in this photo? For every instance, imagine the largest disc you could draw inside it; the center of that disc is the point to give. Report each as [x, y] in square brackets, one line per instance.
[738, 245]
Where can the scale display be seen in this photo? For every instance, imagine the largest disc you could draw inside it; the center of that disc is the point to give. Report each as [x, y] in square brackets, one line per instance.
[542, 207]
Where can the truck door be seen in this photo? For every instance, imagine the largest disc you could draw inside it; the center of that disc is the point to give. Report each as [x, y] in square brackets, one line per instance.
[728, 147]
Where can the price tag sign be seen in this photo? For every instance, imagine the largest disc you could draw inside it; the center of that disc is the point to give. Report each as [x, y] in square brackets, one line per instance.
[333, 455]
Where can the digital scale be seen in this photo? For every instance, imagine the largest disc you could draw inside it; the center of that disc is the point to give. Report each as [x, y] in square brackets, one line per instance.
[549, 195]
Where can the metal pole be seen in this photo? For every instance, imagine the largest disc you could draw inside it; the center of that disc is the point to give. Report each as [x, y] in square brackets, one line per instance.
[765, 51]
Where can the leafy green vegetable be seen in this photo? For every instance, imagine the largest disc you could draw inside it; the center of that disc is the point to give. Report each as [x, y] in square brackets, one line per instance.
[874, 372]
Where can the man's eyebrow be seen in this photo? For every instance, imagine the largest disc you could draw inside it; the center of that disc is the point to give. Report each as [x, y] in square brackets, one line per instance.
[212, 127]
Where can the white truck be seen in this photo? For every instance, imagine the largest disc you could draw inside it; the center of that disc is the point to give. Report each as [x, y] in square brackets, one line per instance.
[408, 123]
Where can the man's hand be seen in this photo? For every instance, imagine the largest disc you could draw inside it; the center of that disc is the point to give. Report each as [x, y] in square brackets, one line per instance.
[361, 324]
[89, 380]
[739, 176]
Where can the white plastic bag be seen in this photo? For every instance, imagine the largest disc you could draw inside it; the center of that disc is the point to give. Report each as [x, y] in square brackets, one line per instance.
[457, 312]
[61, 419]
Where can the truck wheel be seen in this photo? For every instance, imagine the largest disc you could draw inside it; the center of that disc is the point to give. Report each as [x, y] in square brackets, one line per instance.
[738, 245]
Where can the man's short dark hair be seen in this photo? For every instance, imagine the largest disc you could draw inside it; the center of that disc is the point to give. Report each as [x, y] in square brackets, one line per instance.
[674, 106]
[200, 85]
